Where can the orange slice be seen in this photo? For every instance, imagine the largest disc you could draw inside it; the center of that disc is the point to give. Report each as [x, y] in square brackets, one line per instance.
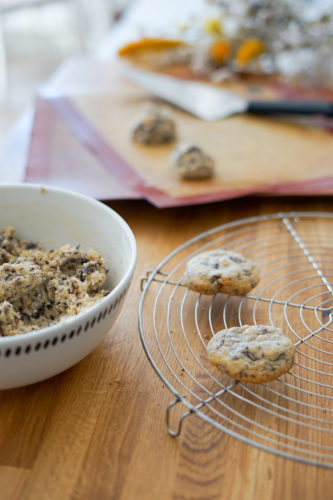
[144, 44]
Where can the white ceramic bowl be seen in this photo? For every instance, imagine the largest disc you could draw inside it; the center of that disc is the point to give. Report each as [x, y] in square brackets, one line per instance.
[53, 217]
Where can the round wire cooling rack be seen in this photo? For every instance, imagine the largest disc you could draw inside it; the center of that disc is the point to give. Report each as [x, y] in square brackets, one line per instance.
[293, 415]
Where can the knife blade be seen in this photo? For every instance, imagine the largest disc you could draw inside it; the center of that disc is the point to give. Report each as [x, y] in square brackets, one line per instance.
[212, 104]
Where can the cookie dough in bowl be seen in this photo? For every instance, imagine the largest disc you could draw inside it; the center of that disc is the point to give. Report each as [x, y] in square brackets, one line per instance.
[256, 354]
[40, 288]
[88, 232]
[223, 271]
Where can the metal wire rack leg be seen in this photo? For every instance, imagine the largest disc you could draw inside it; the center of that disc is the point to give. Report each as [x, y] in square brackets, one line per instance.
[177, 432]
[192, 410]
[145, 279]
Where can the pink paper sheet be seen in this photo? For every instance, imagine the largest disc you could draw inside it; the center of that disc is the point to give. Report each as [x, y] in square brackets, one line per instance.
[67, 151]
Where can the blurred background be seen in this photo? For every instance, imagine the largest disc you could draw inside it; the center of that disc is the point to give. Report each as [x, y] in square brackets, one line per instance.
[36, 36]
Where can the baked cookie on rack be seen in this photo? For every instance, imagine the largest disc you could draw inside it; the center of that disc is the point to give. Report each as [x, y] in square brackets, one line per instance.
[254, 354]
[223, 271]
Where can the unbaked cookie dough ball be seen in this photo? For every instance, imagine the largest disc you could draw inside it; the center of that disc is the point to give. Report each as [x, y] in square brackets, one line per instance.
[190, 162]
[154, 127]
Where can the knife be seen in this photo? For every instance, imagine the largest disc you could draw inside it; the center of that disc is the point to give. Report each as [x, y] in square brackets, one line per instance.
[211, 103]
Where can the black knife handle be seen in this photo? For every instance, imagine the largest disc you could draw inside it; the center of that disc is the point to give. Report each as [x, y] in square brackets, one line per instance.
[291, 107]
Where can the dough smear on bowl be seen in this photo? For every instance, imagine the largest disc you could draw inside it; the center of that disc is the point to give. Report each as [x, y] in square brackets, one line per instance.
[39, 288]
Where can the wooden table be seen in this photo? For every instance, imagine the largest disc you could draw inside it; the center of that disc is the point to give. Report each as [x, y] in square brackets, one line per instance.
[97, 431]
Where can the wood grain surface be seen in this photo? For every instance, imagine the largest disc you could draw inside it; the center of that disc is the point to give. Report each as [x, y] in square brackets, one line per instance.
[97, 431]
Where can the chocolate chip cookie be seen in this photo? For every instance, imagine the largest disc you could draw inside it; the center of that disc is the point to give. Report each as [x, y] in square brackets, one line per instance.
[252, 353]
[221, 271]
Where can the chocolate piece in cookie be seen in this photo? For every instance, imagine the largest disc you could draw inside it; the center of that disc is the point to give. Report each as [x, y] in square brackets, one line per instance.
[252, 353]
[154, 127]
[221, 271]
[191, 162]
